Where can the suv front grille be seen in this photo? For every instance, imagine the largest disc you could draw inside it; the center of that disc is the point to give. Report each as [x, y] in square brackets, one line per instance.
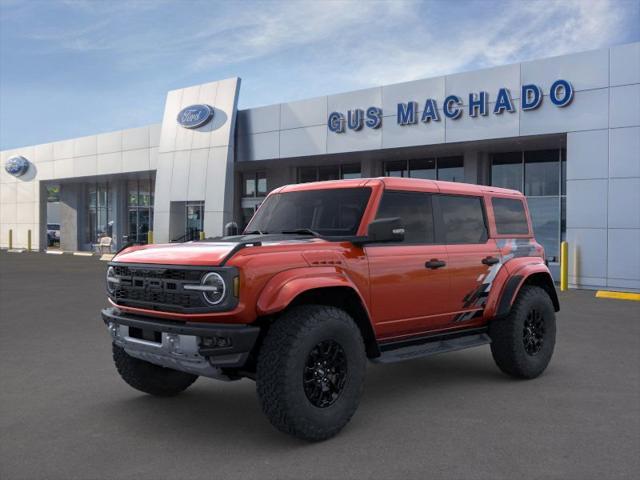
[159, 288]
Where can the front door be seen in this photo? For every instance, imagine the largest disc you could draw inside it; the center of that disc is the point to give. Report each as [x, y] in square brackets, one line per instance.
[473, 257]
[408, 280]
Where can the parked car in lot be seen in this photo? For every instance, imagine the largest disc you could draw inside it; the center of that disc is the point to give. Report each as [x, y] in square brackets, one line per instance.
[53, 234]
[327, 276]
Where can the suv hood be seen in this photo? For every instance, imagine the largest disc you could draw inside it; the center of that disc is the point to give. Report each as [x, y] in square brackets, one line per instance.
[197, 253]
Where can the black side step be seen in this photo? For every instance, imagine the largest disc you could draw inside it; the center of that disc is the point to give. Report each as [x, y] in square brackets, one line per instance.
[432, 345]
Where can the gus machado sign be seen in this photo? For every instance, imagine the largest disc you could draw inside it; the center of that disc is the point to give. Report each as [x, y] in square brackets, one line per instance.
[560, 95]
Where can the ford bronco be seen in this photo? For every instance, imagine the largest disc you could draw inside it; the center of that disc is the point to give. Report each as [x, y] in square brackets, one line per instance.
[326, 276]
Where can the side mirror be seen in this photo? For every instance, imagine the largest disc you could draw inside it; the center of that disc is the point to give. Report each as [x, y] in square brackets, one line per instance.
[231, 229]
[385, 230]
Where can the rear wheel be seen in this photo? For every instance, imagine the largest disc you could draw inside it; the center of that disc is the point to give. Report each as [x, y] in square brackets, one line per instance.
[311, 371]
[522, 344]
[150, 378]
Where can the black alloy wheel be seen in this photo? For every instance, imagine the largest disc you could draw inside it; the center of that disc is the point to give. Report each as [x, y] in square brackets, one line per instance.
[325, 373]
[533, 332]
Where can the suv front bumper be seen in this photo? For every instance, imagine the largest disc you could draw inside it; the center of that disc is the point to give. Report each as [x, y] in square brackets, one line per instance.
[197, 348]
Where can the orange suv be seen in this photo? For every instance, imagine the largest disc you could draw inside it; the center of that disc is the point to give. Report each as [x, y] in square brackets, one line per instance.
[327, 276]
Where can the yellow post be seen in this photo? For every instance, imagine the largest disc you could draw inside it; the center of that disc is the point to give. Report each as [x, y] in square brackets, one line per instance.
[201, 235]
[564, 266]
[150, 237]
[29, 240]
[10, 239]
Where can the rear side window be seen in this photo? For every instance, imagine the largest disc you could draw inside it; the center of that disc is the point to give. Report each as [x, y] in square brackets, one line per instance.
[510, 216]
[462, 219]
[414, 210]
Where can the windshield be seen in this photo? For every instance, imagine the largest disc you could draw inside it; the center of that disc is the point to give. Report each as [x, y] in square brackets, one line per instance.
[330, 212]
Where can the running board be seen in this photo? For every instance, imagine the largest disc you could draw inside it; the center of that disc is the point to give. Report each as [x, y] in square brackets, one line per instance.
[423, 347]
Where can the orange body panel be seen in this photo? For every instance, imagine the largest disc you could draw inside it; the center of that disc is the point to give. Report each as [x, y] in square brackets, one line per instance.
[400, 295]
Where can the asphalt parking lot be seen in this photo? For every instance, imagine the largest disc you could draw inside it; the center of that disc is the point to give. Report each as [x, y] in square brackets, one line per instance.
[65, 413]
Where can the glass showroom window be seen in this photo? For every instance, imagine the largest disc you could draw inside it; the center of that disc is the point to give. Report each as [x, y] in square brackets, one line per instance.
[328, 172]
[99, 212]
[254, 184]
[450, 169]
[140, 209]
[540, 175]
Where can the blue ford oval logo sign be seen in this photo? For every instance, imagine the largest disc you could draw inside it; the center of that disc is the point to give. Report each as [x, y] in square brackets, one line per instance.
[17, 166]
[195, 116]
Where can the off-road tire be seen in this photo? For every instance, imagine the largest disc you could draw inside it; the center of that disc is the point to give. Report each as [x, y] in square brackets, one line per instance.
[507, 335]
[281, 367]
[150, 378]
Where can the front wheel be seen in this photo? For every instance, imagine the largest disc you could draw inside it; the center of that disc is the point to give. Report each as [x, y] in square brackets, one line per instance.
[522, 343]
[150, 378]
[311, 371]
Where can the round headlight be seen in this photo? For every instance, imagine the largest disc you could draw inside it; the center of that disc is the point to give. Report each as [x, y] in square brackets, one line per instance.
[214, 288]
[112, 280]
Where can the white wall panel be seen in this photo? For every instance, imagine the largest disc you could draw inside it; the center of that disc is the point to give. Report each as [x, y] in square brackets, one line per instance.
[258, 120]
[417, 90]
[587, 111]
[624, 254]
[468, 128]
[625, 64]
[135, 138]
[180, 176]
[585, 71]
[357, 99]
[135, 160]
[625, 106]
[394, 135]
[624, 203]
[85, 146]
[305, 113]
[624, 152]
[587, 154]
[110, 142]
[85, 166]
[587, 203]
[489, 80]
[197, 174]
[587, 252]
[110, 163]
[43, 153]
[259, 146]
[63, 168]
[63, 149]
[303, 141]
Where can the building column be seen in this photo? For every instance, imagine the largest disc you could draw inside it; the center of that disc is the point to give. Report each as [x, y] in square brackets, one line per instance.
[70, 209]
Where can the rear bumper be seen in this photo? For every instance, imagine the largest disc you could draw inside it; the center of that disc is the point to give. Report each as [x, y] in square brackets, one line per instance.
[198, 348]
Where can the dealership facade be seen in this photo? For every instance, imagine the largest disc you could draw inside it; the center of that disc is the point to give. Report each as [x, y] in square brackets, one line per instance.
[565, 131]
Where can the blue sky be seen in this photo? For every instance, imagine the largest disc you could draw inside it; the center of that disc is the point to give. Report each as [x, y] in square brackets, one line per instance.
[80, 67]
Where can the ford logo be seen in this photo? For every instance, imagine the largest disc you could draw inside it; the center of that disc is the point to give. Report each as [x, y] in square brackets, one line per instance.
[195, 116]
[17, 166]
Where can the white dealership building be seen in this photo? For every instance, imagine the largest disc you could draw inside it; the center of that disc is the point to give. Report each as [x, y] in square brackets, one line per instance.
[564, 130]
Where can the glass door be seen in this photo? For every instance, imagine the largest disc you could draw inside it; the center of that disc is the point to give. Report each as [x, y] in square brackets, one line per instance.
[194, 220]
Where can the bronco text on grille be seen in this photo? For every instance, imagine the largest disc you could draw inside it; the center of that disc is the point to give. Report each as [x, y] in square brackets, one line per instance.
[156, 287]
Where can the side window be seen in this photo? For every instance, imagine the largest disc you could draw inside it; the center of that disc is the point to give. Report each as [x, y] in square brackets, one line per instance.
[463, 219]
[415, 212]
[510, 216]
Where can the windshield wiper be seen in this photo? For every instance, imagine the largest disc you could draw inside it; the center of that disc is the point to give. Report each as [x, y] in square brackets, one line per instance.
[255, 232]
[303, 231]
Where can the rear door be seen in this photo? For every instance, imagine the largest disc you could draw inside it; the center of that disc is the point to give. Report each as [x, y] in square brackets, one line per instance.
[406, 294]
[473, 256]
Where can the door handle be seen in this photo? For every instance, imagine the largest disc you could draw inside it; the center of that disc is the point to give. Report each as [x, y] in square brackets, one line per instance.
[435, 263]
[490, 260]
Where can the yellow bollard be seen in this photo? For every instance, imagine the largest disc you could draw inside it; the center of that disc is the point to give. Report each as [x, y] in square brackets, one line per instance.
[10, 239]
[29, 240]
[564, 266]
[201, 235]
[150, 237]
